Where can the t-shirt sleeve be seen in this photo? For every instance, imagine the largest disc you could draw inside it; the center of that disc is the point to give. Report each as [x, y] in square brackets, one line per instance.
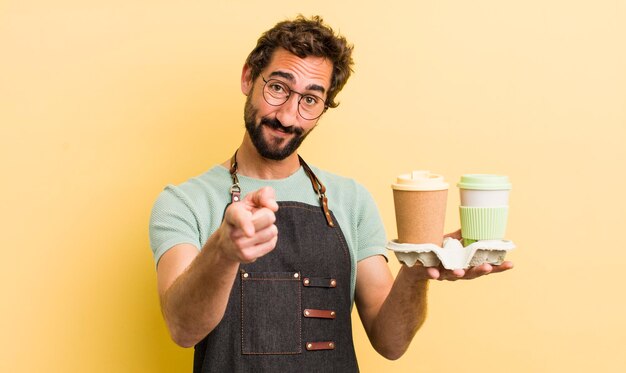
[172, 222]
[372, 238]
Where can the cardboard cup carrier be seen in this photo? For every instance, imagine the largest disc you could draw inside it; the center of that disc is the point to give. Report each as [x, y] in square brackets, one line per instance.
[420, 206]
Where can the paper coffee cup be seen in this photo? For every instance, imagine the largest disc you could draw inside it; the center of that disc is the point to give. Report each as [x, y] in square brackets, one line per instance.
[420, 205]
[484, 206]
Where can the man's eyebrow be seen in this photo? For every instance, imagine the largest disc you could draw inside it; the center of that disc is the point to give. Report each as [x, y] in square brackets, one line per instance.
[282, 74]
[289, 77]
[315, 87]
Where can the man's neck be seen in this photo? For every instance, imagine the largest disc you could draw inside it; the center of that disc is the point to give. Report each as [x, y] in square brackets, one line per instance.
[250, 163]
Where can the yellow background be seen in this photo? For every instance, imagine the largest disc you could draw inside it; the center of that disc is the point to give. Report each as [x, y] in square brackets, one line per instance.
[102, 103]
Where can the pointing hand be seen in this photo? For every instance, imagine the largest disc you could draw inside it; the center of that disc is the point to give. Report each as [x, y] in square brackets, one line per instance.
[248, 231]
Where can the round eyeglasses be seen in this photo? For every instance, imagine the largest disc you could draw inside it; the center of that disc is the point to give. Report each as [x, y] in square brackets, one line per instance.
[276, 93]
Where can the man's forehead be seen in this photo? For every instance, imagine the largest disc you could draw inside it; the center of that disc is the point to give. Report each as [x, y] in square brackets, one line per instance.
[310, 70]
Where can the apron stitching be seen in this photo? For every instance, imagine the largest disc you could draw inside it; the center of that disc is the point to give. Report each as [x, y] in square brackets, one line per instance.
[241, 316]
[300, 319]
[337, 233]
[343, 245]
[299, 290]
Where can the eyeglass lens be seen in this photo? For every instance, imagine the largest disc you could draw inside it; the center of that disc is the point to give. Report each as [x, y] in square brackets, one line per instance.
[277, 93]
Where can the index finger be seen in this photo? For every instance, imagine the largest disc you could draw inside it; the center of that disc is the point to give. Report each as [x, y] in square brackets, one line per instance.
[238, 216]
[264, 197]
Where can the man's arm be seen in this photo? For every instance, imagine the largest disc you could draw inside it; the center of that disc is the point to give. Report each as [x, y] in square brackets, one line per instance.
[393, 311]
[194, 286]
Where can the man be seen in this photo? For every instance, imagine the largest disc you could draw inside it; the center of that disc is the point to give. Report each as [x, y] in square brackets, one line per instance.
[258, 257]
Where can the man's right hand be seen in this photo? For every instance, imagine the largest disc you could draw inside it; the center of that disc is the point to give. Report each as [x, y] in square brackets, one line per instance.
[248, 231]
[191, 308]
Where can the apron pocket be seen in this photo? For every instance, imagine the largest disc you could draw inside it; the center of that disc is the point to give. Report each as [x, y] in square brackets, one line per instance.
[271, 313]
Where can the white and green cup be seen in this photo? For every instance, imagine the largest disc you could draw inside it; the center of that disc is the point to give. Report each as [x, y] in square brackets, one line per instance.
[484, 206]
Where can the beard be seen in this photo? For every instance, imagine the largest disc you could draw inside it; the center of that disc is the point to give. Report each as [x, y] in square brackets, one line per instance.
[275, 148]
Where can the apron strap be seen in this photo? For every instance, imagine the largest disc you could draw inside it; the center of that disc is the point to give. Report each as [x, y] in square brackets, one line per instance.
[235, 189]
[320, 189]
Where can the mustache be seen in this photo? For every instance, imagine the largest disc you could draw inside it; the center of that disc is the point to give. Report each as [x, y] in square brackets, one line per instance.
[275, 124]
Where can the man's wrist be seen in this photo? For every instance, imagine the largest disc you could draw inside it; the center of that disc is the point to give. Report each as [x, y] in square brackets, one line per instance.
[417, 274]
[214, 247]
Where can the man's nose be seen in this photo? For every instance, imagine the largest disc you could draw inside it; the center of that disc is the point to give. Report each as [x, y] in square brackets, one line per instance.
[288, 112]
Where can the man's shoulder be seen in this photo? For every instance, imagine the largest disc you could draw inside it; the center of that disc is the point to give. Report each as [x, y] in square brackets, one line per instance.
[214, 177]
[332, 176]
[348, 197]
[336, 183]
[199, 187]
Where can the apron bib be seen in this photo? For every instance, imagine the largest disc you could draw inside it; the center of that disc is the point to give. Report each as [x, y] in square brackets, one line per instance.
[290, 310]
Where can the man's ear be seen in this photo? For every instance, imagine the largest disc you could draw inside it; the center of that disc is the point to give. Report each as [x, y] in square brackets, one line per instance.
[246, 79]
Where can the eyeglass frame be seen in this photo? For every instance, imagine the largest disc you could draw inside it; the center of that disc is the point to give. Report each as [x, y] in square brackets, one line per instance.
[326, 106]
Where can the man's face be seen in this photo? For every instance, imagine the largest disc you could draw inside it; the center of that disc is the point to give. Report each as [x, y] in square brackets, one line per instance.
[278, 131]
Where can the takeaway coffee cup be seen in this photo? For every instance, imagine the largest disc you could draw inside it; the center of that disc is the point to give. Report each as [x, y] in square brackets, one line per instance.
[484, 206]
[420, 205]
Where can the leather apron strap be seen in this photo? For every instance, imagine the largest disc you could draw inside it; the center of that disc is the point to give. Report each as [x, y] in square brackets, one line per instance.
[318, 187]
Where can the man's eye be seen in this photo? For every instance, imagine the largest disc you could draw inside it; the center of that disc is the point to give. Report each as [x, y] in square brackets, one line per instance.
[277, 88]
[310, 100]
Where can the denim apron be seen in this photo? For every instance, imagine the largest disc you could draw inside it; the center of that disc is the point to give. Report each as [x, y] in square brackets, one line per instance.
[289, 311]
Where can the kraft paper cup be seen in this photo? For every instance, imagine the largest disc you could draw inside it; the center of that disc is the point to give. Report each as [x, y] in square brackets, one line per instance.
[420, 205]
[484, 206]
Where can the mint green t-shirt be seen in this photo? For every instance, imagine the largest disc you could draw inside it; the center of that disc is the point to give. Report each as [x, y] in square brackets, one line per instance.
[192, 211]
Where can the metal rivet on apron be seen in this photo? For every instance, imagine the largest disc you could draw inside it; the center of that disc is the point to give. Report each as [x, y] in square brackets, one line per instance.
[306, 281]
[306, 313]
[331, 345]
[296, 275]
[332, 313]
[236, 199]
[309, 345]
[245, 275]
[333, 283]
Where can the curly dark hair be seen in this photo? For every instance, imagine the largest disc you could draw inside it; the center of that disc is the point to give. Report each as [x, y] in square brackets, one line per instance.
[306, 37]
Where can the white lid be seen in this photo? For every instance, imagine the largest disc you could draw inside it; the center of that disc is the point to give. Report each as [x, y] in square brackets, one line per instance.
[420, 180]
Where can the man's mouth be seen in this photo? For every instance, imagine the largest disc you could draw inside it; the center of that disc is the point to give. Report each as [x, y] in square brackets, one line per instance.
[280, 129]
[277, 126]
[278, 134]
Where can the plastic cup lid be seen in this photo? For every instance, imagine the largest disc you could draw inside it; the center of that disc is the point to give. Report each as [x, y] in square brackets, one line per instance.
[484, 182]
[420, 180]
